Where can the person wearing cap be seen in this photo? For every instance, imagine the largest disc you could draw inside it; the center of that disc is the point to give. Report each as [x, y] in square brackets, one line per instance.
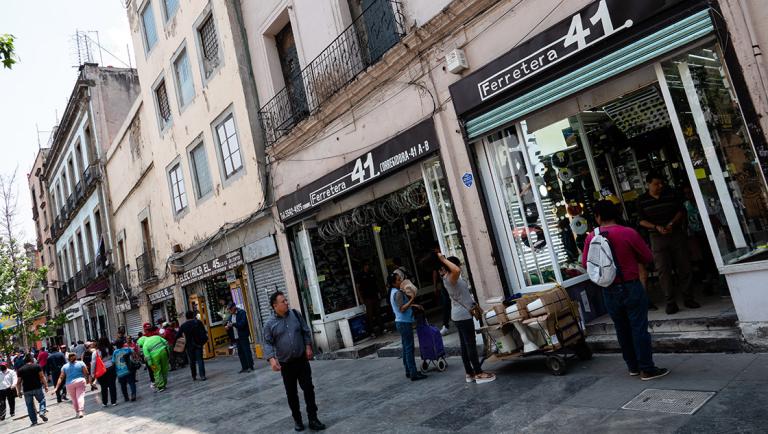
[238, 323]
[7, 389]
[156, 353]
[149, 330]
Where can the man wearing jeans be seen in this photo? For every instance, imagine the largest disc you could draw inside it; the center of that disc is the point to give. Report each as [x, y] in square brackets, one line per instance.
[239, 324]
[288, 348]
[195, 337]
[625, 299]
[32, 381]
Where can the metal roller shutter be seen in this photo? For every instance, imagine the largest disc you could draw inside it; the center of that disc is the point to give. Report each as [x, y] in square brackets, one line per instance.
[133, 322]
[641, 51]
[267, 278]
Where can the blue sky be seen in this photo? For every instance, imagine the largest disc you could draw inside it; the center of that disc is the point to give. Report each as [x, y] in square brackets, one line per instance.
[38, 86]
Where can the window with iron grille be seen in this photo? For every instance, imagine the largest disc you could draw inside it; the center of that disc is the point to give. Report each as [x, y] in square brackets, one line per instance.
[178, 192]
[210, 45]
[163, 107]
[148, 21]
[230, 146]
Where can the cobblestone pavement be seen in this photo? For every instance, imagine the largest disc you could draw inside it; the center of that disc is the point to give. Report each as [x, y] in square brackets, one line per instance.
[372, 395]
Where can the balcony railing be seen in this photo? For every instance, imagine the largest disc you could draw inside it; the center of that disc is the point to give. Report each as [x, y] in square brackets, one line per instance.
[64, 293]
[121, 283]
[378, 28]
[75, 200]
[145, 267]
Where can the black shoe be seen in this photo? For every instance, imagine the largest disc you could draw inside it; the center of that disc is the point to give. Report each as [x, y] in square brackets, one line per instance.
[133, 398]
[418, 376]
[407, 375]
[44, 418]
[653, 374]
[316, 425]
[194, 378]
[691, 304]
[672, 308]
[241, 371]
[299, 426]
[203, 378]
[634, 372]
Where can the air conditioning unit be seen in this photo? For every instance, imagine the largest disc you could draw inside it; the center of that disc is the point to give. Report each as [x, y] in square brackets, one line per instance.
[456, 61]
[176, 266]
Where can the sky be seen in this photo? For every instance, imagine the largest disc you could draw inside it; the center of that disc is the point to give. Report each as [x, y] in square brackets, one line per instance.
[36, 90]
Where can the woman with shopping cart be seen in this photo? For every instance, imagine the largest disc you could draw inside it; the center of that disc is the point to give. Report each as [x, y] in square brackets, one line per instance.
[402, 307]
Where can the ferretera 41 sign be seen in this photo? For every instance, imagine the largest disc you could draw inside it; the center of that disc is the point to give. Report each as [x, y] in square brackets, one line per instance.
[588, 27]
[405, 148]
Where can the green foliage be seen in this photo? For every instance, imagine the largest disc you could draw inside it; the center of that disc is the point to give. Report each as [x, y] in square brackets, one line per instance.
[7, 50]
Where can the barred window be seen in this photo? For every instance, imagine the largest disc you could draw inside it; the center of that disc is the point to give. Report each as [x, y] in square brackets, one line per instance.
[210, 44]
[163, 106]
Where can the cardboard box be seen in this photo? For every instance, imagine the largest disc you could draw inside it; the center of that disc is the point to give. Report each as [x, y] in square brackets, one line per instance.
[551, 302]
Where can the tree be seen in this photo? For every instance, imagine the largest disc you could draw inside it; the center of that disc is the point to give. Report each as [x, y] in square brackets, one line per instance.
[7, 50]
[18, 278]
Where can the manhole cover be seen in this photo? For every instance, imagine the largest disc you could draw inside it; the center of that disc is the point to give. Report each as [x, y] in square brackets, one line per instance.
[669, 401]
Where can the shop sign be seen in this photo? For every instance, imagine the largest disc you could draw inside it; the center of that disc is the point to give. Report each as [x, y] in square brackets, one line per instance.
[97, 287]
[400, 151]
[212, 267]
[161, 295]
[73, 312]
[126, 305]
[259, 249]
[566, 40]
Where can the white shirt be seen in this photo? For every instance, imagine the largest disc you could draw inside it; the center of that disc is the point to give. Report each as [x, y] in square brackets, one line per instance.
[7, 379]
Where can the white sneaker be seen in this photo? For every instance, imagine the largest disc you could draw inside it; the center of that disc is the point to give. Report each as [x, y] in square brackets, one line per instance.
[444, 331]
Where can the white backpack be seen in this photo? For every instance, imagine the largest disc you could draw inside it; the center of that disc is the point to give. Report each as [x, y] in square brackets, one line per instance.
[601, 266]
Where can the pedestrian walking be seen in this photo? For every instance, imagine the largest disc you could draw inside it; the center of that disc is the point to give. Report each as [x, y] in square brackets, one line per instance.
[32, 382]
[18, 361]
[149, 330]
[124, 361]
[156, 354]
[74, 377]
[238, 323]
[169, 334]
[79, 350]
[7, 390]
[42, 360]
[57, 360]
[195, 338]
[288, 349]
[663, 214]
[625, 298]
[402, 306]
[108, 380]
[462, 304]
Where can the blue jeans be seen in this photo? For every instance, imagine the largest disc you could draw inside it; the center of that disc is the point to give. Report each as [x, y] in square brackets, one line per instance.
[29, 397]
[196, 363]
[627, 305]
[406, 336]
[128, 381]
[244, 353]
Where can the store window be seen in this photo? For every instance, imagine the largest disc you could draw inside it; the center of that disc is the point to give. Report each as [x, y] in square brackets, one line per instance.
[722, 156]
[218, 296]
[333, 273]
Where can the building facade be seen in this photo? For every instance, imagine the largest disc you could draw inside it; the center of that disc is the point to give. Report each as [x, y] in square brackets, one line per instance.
[80, 225]
[490, 128]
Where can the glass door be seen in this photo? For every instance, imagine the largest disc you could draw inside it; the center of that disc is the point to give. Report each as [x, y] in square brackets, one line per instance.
[721, 161]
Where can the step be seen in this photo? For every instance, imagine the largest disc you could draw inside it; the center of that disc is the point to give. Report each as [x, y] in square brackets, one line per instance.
[712, 341]
[395, 349]
[724, 322]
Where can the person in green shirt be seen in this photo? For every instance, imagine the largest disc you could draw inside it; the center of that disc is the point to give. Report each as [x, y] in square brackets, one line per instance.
[157, 354]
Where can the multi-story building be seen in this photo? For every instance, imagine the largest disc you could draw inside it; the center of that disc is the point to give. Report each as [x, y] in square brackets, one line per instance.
[206, 211]
[73, 176]
[490, 128]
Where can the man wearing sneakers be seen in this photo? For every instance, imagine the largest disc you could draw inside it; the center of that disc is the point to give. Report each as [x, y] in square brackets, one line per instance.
[625, 299]
[32, 381]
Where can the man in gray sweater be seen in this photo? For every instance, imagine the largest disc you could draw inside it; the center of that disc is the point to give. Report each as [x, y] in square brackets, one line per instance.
[288, 348]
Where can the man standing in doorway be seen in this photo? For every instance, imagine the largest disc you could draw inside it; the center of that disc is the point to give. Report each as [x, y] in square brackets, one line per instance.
[32, 382]
[195, 338]
[238, 322]
[663, 214]
[288, 348]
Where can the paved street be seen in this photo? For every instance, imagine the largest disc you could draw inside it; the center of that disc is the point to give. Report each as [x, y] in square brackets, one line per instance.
[372, 395]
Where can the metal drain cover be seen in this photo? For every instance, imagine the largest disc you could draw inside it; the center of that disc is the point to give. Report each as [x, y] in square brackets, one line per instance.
[669, 401]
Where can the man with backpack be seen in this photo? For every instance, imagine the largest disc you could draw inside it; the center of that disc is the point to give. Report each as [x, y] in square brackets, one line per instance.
[288, 349]
[611, 256]
[195, 337]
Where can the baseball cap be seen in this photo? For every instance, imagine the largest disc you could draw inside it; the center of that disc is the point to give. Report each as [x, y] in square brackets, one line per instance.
[3, 364]
[147, 326]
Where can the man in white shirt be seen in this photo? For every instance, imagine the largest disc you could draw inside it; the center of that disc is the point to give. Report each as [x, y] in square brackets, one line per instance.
[7, 389]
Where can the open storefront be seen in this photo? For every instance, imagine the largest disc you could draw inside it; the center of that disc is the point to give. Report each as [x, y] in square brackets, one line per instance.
[345, 238]
[644, 90]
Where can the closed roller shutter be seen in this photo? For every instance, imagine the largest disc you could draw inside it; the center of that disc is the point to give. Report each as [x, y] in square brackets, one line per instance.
[267, 278]
[133, 322]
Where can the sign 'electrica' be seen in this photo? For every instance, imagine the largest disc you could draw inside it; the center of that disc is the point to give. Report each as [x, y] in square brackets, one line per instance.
[398, 152]
[565, 40]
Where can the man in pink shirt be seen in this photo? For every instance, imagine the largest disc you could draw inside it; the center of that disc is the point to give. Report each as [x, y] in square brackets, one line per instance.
[625, 299]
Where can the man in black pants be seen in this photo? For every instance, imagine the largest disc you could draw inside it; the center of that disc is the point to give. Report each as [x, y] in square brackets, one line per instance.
[56, 361]
[288, 348]
[195, 337]
[238, 322]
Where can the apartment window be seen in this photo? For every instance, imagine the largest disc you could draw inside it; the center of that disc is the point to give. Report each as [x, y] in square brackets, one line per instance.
[170, 8]
[184, 78]
[148, 22]
[229, 145]
[178, 192]
[200, 172]
[163, 107]
[97, 222]
[89, 240]
[79, 160]
[210, 45]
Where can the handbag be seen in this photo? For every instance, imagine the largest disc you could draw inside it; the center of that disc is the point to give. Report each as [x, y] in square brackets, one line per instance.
[180, 345]
[475, 311]
[133, 364]
[100, 369]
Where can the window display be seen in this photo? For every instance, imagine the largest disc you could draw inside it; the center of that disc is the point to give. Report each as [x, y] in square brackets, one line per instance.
[218, 296]
[333, 273]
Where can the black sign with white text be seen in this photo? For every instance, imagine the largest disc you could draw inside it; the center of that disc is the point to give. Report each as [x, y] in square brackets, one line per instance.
[210, 268]
[396, 153]
[562, 44]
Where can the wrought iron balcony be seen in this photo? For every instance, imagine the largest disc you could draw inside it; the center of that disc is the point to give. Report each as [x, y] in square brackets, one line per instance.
[64, 293]
[145, 267]
[35, 213]
[121, 283]
[378, 28]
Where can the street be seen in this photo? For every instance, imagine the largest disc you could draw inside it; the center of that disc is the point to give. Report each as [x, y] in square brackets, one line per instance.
[372, 395]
